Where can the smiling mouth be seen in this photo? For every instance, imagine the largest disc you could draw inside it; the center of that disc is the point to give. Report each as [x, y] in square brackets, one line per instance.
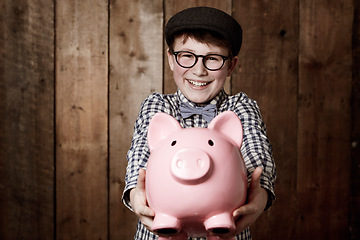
[197, 83]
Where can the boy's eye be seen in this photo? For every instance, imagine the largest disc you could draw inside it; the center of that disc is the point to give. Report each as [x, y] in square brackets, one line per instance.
[187, 56]
[213, 58]
[210, 142]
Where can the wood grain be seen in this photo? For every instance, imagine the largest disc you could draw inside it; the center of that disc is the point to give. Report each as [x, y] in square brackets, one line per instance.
[135, 72]
[26, 119]
[267, 72]
[81, 120]
[355, 129]
[325, 62]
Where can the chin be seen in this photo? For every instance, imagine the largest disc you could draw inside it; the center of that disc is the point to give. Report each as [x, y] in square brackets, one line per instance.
[198, 100]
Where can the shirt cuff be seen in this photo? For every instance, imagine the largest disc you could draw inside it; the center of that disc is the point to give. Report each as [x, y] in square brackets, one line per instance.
[269, 187]
[126, 197]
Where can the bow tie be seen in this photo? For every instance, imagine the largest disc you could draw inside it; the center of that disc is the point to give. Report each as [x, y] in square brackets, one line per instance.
[208, 112]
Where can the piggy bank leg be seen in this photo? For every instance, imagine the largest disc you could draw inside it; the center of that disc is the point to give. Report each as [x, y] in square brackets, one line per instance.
[220, 224]
[166, 224]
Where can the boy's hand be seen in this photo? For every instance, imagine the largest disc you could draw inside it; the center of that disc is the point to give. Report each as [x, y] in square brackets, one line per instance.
[139, 203]
[247, 214]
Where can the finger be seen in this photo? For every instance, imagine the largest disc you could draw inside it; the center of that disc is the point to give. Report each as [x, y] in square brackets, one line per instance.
[255, 178]
[243, 223]
[244, 217]
[146, 217]
[244, 210]
[141, 179]
[257, 173]
[146, 211]
[147, 221]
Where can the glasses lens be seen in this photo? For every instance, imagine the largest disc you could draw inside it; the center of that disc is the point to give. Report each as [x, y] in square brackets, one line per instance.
[186, 59]
[213, 62]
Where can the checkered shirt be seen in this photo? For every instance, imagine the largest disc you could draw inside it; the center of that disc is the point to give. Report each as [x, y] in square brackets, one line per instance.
[256, 148]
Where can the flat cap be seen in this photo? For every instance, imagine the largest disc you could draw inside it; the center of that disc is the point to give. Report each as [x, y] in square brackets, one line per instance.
[206, 18]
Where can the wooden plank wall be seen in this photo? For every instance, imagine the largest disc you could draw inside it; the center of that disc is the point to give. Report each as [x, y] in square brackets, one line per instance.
[81, 119]
[268, 72]
[355, 127]
[27, 119]
[74, 73]
[324, 95]
[135, 71]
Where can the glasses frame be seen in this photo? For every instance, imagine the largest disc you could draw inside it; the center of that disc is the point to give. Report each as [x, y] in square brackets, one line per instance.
[197, 58]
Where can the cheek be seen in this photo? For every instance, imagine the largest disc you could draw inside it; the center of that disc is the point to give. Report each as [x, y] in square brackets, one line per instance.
[178, 72]
[179, 81]
[220, 77]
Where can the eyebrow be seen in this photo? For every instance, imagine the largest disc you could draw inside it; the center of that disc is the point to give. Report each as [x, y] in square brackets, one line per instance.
[192, 51]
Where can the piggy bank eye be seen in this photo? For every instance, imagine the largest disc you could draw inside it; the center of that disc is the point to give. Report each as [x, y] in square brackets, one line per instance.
[210, 142]
[173, 143]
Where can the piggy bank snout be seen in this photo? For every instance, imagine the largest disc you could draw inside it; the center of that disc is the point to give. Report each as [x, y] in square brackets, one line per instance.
[190, 165]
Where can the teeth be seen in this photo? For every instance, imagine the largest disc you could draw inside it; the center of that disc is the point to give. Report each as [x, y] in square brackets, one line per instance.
[198, 84]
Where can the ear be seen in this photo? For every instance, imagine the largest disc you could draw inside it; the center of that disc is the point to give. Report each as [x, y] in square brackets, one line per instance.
[233, 61]
[229, 124]
[160, 127]
[170, 59]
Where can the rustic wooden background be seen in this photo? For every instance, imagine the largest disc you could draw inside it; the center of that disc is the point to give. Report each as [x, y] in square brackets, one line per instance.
[72, 76]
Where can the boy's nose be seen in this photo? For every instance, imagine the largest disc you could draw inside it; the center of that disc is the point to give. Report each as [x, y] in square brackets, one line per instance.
[199, 68]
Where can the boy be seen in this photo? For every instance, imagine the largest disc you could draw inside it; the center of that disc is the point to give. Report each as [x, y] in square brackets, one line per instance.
[203, 47]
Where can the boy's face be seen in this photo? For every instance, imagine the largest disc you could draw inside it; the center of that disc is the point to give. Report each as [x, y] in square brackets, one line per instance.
[199, 84]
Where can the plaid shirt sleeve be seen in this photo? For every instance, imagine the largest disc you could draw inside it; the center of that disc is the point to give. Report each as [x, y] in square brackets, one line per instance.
[138, 153]
[256, 148]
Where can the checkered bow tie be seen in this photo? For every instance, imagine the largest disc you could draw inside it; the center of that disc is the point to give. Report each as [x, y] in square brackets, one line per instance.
[208, 112]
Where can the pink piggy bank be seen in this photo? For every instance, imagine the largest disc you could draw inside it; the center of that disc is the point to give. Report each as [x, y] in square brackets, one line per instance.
[195, 177]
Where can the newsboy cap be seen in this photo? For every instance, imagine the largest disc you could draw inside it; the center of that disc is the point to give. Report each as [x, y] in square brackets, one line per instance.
[206, 18]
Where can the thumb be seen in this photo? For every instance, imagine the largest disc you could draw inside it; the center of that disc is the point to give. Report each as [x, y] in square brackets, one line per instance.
[141, 179]
[255, 178]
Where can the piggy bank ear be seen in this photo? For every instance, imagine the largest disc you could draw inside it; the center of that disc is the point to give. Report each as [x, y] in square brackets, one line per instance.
[229, 124]
[161, 125]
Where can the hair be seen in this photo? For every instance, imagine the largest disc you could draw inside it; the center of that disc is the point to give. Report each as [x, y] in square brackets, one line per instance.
[202, 36]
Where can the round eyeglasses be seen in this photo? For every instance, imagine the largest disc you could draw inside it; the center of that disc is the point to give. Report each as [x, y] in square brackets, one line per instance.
[211, 62]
